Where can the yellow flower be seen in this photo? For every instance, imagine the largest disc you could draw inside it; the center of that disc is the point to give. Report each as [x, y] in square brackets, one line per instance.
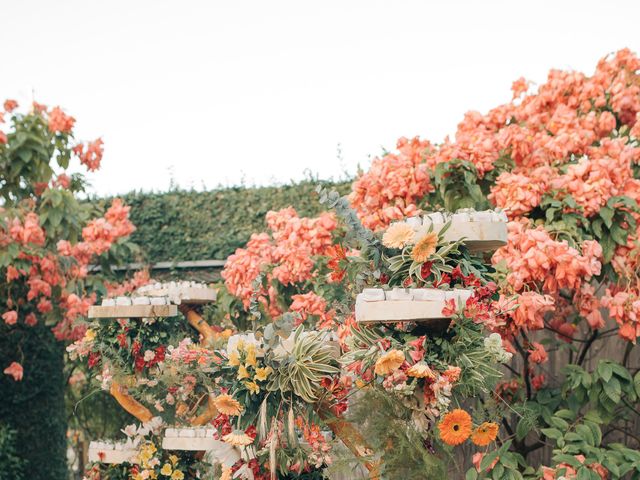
[242, 372]
[262, 373]
[398, 235]
[225, 334]
[251, 355]
[360, 383]
[234, 359]
[227, 404]
[252, 387]
[240, 345]
[425, 247]
[389, 362]
[177, 475]
[166, 469]
[89, 335]
[173, 459]
[238, 438]
[421, 370]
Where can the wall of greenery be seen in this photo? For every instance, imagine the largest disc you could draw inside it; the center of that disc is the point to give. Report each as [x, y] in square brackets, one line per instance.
[189, 225]
[31, 407]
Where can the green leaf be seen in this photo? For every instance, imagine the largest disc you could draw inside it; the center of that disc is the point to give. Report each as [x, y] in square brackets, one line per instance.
[471, 474]
[523, 428]
[605, 371]
[488, 459]
[607, 215]
[552, 433]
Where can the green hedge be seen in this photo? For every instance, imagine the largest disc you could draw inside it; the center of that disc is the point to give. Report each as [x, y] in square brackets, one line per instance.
[11, 465]
[189, 225]
[34, 407]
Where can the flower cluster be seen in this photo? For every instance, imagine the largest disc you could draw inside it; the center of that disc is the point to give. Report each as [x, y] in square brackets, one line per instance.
[286, 256]
[394, 183]
[535, 259]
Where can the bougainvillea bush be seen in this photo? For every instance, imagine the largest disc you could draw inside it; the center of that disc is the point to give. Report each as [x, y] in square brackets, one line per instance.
[49, 241]
[562, 159]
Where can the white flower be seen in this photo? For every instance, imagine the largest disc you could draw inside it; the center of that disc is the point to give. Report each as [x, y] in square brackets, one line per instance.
[493, 344]
[149, 355]
[224, 454]
[129, 430]
[105, 377]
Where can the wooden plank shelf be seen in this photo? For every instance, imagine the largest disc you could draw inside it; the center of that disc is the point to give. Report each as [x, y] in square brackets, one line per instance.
[110, 453]
[133, 311]
[188, 296]
[191, 439]
[421, 305]
[481, 236]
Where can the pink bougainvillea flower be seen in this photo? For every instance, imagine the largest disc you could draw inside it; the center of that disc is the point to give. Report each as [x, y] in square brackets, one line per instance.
[538, 354]
[60, 122]
[10, 105]
[15, 370]
[92, 156]
[10, 317]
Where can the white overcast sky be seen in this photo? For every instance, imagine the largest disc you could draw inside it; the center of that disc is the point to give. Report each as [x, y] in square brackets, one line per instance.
[212, 92]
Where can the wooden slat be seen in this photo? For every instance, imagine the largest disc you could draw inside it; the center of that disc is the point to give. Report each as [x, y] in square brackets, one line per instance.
[133, 311]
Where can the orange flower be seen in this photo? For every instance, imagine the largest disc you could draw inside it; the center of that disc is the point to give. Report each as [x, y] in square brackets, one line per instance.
[398, 235]
[455, 427]
[485, 434]
[389, 362]
[425, 247]
[421, 370]
[227, 404]
[238, 438]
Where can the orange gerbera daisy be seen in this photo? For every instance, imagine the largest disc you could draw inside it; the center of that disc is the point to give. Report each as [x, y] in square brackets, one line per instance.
[389, 362]
[425, 247]
[227, 404]
[455, 427]
[485, 434]
[398, 235]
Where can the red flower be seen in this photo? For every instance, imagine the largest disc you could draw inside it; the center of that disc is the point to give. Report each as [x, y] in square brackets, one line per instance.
[139, 363]
[94, 358]
[336, 254]
[122, 339]
[425, 270]
[450, 308]
[251, 431]
[31, 319]
[135, 348]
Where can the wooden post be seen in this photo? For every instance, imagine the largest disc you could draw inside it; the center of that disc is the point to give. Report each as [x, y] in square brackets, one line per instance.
[129, 403]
